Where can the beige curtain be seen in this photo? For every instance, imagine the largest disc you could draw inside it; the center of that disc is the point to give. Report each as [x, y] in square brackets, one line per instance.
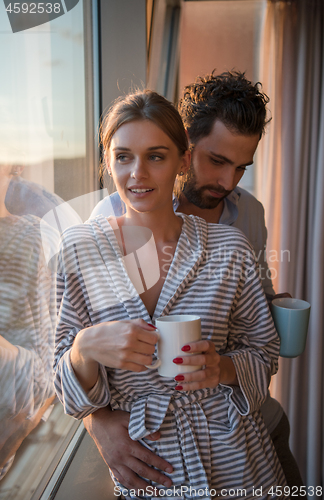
[290, 183]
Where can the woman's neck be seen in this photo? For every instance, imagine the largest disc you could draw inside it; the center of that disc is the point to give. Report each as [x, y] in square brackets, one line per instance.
[134, 235]
[165, 226]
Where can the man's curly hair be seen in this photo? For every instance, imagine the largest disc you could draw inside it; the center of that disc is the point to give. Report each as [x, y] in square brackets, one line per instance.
[228, 97]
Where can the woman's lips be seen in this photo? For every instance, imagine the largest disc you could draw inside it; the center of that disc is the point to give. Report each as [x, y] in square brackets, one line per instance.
[140, 191]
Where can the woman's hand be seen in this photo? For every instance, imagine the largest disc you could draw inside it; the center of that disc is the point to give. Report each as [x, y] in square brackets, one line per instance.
[216, 369]
[128, 345]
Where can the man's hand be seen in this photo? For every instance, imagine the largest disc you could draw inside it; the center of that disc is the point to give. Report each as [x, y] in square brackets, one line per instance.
[126, 458]
[281, 296]
[270, 298]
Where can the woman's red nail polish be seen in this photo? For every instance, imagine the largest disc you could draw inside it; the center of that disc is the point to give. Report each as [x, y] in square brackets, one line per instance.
[178, 378]
[178, 387]
[178, 361]
[150, 324]
[186, 348]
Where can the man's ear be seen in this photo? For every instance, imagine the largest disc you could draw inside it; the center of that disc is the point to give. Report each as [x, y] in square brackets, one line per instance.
[191, 145]
[185, 162]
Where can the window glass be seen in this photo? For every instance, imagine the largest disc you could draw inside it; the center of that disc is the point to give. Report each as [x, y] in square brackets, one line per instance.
[47, 158]
[231, 31]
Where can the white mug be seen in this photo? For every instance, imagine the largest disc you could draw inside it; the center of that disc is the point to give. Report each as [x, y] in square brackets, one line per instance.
[175, 332]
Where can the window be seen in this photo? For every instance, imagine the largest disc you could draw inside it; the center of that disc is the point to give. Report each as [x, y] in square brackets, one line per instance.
[48, 156]
[221, 35]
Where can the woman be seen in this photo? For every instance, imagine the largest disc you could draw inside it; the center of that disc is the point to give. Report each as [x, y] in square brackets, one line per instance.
[211, 428]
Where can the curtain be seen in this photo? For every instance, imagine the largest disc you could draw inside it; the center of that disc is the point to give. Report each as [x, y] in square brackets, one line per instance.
[290, 184]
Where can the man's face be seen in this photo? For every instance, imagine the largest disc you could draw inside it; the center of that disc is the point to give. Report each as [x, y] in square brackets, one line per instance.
[218, 163]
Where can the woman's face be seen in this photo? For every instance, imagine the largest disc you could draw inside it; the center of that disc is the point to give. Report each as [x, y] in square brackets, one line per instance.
[5, 177]
[144, 162]
[6, 171]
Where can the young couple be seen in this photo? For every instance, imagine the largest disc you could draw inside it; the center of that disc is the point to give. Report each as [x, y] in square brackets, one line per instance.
[208, 423]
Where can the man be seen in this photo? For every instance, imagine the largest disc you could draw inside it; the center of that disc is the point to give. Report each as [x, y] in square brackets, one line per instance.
[225, 117]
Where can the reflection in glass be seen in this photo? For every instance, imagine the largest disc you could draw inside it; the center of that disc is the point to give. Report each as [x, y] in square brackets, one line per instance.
[28, 315]
[44, 162]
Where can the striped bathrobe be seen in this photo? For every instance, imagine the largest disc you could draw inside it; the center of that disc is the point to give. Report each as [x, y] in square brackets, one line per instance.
[27, 317]
[214, 438]
[27, 320]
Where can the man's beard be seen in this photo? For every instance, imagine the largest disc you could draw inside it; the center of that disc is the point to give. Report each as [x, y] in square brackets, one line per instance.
[199, 197]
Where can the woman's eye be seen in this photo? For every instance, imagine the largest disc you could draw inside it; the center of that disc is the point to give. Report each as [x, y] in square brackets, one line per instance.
[155, 157]
[121, 157]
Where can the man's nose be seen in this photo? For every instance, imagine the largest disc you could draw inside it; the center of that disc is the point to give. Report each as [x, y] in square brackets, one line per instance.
[227, 179]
